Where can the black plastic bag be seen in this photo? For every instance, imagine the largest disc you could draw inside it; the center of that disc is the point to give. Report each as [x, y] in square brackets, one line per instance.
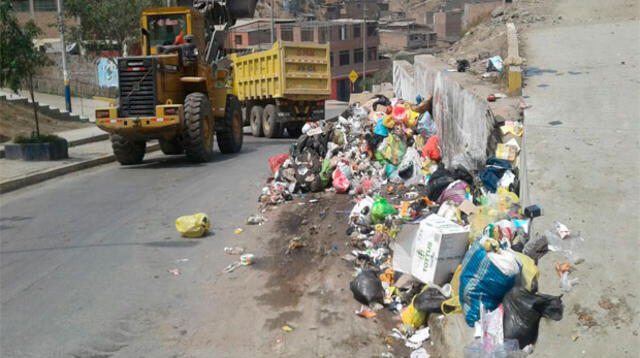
[522, 313]
[438, 182]
[536, 248]
[429, 300]
[367, 288]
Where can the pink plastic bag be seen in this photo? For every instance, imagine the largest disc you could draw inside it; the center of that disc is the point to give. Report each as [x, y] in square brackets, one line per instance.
[340, 181]
[276, 161]
[456, 192]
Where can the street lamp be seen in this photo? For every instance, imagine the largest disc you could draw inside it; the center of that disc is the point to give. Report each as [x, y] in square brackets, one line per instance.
[65, 73]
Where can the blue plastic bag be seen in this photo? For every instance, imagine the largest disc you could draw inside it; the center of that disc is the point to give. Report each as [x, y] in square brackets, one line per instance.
[481, 281]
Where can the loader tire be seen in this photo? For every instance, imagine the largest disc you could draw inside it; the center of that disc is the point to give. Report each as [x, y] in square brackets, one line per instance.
[270, 125]
[127, 152]
[171, 147]
[256, 121]
[198, 128]
[230, 136]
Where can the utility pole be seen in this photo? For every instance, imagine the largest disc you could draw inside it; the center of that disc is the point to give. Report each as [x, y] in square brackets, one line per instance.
[365, 33]
[65, 73]
[273, 26]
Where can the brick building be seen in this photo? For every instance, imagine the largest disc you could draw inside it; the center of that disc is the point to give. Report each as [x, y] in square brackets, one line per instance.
[42, 12]
[448, 26]
[406, 35]
[345, 37]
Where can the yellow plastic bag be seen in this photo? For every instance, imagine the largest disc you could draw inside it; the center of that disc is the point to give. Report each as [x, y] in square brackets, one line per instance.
[412, 316]
[195, 225]
[412, 119]
[506, 199]
[530, 273]
[452, 305]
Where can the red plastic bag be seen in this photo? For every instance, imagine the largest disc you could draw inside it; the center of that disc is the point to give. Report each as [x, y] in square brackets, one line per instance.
[276, 161]
[432, 148]
[340, 181]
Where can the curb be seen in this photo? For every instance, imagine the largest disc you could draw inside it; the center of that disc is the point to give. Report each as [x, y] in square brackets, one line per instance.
[74, 143]
[15, 184]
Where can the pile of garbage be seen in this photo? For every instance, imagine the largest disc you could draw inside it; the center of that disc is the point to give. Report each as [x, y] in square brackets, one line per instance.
[429, 239]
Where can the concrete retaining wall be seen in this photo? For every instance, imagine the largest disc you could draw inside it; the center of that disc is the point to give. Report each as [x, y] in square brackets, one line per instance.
[464, 119]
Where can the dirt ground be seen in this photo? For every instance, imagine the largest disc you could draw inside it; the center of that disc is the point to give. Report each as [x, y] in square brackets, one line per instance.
[306, 289]
[15, 120]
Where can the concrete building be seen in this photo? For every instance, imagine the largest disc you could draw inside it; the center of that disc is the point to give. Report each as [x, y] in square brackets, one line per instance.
[406, 35]
[345, 37]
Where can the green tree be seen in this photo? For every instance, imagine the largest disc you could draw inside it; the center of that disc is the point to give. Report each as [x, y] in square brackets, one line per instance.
[19, 57]
[109, 22]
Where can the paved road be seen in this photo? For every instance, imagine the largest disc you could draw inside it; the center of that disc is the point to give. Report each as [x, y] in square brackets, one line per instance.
[581, 143]
[84, 259]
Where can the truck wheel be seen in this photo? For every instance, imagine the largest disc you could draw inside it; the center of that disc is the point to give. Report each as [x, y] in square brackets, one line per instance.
[128, 152]
[171, 147]
[270, 124]
[295, 129]
[230, 137]
[198, 128]
[256, 121]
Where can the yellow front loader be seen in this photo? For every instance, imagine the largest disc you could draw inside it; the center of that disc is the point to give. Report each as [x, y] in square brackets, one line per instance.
[180, 90]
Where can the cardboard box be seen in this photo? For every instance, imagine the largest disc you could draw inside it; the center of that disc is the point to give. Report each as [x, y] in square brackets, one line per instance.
[433, 252]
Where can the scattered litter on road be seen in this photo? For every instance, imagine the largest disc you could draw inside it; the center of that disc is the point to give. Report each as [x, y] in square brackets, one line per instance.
[256, 219]
[287, 328]
[247, 259]
[175, 272]
[193, 226]
[366, 312]
[238, 231]
[234, 250]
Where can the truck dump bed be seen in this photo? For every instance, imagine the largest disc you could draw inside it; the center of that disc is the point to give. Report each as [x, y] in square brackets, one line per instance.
[291, 70]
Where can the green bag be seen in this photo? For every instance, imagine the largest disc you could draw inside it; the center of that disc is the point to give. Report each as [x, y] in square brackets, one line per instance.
[381, 209]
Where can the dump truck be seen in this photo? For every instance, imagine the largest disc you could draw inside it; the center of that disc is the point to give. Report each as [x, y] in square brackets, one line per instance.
[180, 91]
[283, 87]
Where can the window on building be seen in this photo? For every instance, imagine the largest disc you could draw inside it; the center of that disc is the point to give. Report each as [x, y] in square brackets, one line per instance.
[306, 34]
[322, 35]
[333, 63]
[344, 57]
[372, 29]
[238, 39]
[356, 31]
[372, 54]
[286, 34]
[44, 5]
[20, 5]
[343, 32]
[357, 55]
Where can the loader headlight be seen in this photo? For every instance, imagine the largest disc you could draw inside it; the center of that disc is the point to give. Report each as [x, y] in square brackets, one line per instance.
[102, 113]
[171, 111]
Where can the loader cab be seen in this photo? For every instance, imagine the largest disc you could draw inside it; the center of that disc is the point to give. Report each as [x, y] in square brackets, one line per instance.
[168, 26]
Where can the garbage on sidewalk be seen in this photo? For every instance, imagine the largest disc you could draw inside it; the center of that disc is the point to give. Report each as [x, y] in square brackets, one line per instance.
[193, 226]
[428, 239]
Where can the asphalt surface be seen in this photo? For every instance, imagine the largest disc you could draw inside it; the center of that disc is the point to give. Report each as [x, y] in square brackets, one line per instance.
[581, 145]
[85, 259]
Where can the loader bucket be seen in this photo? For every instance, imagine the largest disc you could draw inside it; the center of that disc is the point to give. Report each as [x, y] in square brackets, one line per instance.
[242, 8]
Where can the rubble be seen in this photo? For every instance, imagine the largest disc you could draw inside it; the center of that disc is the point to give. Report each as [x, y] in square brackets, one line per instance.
[427, 239]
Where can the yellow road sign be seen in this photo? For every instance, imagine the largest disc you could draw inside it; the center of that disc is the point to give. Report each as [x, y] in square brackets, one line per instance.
[353, 76]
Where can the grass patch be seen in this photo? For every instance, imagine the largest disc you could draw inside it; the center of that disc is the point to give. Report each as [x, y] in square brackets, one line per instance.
[35, 139]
